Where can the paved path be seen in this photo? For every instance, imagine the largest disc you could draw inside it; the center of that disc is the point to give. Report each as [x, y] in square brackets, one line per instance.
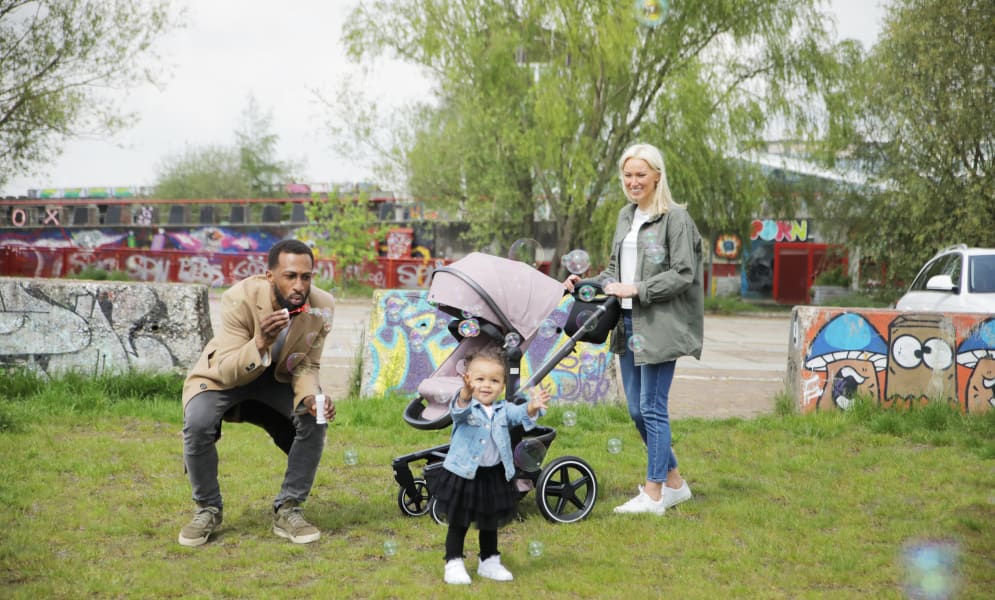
[741, 369]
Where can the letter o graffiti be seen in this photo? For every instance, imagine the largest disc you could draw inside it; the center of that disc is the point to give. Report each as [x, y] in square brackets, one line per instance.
[19, 217]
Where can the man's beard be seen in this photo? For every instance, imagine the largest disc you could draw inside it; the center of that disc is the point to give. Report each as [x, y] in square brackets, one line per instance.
[284, 302]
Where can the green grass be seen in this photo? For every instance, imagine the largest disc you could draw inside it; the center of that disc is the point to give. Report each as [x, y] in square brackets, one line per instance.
[785, 506]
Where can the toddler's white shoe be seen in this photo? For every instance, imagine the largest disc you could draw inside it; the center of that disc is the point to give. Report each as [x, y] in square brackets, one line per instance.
[493, 569]
[456, 572]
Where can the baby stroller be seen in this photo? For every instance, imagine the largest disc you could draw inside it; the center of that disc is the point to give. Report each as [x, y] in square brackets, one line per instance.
[496, 300]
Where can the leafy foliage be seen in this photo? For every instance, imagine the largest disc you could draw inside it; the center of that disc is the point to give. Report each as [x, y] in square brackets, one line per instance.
[344, 229]
[537, 99]
[203, 172]
[58, 58]
[919, 123]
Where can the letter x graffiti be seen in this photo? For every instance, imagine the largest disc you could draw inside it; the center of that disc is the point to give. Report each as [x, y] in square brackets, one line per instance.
[51, 216]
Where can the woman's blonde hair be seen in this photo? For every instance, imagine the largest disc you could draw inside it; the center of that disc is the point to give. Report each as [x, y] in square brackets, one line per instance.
[662, 200]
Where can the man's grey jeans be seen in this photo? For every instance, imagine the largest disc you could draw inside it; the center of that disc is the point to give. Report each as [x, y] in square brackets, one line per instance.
[202, 418]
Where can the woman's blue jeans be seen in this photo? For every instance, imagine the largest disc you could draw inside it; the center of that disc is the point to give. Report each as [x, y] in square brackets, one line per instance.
[647, 389]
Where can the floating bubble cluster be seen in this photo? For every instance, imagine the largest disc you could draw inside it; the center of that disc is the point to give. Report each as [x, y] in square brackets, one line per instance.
[547, 329]
[526, 250]
[931, 570]
[654, 253]
[652, 13]
[469, 328]
[529, 454]
[576, 261]
[614, 445]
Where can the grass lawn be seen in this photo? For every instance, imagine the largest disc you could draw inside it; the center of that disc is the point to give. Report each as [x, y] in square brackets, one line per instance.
[785, 506]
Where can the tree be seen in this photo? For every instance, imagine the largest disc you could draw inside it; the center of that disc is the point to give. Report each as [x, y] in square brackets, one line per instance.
[344, 229]
[917, 117]
[201, 173]
[539, 98]
[246, 169]
[257, 148]
[58, 61]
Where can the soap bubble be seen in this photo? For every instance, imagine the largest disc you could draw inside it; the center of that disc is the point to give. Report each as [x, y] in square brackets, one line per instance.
[931, 569]
[576, 261]
[614, 446]
[654, 253]
[587, 320]
[512, 340]
[535, 548]
[298, 364]
[389, 547]
[636, 343]
[231, 300]
[547, 329]
[466, 314]
[652, 13]
[529, 454]
[469, 328]
[647, 237]
[569, 418]
[586, 293]
[526, 250]
[393, 315]
[350, 457]
[313, 340]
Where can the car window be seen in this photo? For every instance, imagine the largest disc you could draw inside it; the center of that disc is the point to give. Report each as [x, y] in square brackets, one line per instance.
[981, 274]
[948, 264]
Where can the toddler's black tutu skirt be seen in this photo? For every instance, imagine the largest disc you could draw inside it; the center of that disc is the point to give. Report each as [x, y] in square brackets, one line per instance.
[487, 501]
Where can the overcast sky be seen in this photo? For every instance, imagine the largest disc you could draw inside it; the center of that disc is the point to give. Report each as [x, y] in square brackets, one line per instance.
[233, 48]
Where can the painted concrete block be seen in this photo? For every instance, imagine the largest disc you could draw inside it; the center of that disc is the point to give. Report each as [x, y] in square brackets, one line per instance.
[895, 358]
[57, 325]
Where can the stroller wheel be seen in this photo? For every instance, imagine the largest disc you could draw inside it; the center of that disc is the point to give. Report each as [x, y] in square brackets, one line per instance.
[414, 503]
[566, 490]
[437, 515]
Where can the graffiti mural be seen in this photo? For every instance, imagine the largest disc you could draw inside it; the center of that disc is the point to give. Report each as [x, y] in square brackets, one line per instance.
[408, 338]
[895, 358]
[90, 327]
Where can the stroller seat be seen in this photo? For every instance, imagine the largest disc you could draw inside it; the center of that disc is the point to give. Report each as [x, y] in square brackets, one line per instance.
[430, 410]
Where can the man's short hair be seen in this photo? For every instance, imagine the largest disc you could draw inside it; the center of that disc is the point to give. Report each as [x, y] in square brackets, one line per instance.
[289, 247]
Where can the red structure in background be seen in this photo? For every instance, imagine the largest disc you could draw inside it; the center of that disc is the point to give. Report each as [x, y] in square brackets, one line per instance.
[213, 269]
[797, 264]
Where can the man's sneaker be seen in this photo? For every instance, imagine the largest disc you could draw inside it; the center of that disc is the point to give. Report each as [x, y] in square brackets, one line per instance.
[643, 504]
[205, 521]
[456, 572]
[674, 496]
[290, 523]
[493, 569]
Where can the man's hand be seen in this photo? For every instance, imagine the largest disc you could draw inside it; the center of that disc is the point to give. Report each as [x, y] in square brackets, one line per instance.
[308, 402]
[269, 329]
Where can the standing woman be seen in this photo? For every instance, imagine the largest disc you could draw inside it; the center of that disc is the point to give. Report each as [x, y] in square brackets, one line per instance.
[655, 270]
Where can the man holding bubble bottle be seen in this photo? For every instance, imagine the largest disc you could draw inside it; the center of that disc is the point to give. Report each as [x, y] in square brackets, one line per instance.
[655, 271]
[262, 367]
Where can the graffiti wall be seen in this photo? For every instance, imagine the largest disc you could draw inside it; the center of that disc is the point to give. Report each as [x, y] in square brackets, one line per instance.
[893, 357]
[408, 339]
[94, 327]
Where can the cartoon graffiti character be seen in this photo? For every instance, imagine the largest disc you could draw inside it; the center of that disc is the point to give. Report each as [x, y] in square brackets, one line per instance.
[851, 353]
[920, 360]
[977, 352]
[409, 344]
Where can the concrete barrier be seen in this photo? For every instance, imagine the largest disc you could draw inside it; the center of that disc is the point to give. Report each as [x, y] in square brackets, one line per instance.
[896, 358]
[408, 338]
[55, 325]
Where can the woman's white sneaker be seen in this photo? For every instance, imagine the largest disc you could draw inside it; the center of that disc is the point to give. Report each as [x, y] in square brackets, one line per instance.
[674, 496]
[643, 504]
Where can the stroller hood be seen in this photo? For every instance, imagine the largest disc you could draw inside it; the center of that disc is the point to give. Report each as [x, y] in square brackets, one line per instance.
[520, 296]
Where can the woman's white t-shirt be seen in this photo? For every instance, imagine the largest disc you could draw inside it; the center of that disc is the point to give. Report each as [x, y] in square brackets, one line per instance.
[627, 260]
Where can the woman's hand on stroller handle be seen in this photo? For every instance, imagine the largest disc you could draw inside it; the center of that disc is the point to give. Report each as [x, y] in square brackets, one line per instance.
[569, 282]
